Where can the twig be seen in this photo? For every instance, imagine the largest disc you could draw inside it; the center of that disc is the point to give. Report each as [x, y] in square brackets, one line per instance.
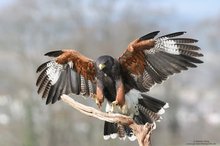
[142, 132]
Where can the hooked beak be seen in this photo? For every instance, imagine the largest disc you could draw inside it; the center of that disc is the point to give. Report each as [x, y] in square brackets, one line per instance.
[101, 66]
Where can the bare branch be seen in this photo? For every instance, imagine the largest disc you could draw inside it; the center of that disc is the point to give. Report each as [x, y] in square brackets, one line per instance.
[142, 132]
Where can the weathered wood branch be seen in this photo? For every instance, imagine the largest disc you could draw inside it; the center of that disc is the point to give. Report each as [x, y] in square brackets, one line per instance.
[142, 132]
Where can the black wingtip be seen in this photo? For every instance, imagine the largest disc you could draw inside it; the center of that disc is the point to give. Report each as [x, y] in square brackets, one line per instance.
[191, 59]
[180, 32]
[175, 34]
[149, 35]
[42, 67]
[47, 102]
[54, 53]
[200, 55]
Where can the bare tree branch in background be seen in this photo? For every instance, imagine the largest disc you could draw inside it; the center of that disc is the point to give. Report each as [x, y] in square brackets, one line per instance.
[142, 132]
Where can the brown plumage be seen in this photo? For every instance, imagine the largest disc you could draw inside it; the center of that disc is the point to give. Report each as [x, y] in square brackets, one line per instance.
[82, 64]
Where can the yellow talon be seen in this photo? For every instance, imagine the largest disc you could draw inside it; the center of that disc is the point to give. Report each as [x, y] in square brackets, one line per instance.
[99, 104]
[114, 104]
[97, 101]
[115, 107]
[124, 109]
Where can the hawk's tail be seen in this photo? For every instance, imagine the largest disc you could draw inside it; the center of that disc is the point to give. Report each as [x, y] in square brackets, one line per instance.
[149, 110]
[113, 130]
[143, 108]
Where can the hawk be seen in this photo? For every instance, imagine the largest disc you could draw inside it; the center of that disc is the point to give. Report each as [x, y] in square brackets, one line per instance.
[121, 81]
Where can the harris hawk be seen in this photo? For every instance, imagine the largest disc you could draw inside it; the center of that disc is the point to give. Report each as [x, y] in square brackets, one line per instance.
[122, 81]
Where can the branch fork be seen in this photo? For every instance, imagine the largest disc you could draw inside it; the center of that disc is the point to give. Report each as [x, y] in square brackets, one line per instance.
[142, 132]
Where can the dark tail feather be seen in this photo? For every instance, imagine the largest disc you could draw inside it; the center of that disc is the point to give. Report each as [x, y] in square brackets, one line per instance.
[153, 104]
[149, 109]
[113, 130]
[110, 130]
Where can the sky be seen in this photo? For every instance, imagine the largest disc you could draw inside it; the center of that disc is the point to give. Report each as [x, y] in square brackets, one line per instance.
[194, 9]
[4, 3]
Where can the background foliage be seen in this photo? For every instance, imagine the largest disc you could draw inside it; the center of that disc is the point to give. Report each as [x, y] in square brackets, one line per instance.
[30, 28]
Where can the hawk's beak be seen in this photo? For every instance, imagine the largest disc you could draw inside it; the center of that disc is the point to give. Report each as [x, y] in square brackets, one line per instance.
[101, 66]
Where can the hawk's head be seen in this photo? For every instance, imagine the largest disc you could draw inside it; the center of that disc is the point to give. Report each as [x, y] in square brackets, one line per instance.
[105, 64]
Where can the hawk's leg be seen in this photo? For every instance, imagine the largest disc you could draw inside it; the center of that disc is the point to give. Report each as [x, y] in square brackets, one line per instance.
[99, 99]
[120, 97]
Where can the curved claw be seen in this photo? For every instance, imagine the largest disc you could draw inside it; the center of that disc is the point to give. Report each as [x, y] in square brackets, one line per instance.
[124, 109]
[99, 104]
[116, 107]
[113, 105]
[98, 101]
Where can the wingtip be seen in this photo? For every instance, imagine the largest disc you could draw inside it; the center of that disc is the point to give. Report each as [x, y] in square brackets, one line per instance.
[182, 32]
[175, 34]
[54, 53]
[149, 35]
[201, 55]
[42, 67]
[156, 32]
[47, 103]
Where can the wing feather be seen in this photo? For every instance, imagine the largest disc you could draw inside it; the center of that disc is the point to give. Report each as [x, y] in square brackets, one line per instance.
[69, 72]
[41, 76]
[53, 91]
[184, 40]
[75, 82]
[54, 53]
[148, 60]
[68, 88]
[153, 73]
[184, 46]
[149, 35]
[42, 66]
[191, 59]
[171, 35]
[42, 85]
[84, 86]
[46, 89]
[177, 60]
[60, 88]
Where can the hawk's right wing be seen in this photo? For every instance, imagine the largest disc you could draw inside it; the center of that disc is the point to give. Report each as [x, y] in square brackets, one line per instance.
[69, 72]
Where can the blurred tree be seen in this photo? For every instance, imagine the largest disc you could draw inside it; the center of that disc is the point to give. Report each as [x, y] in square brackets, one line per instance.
[30, 28]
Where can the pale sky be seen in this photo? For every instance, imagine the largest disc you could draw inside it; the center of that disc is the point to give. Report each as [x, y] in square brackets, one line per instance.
[193, 9]
[5, 2]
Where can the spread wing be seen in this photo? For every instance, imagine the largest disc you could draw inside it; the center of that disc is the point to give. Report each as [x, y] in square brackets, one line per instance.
[69, 72]
[147, 61]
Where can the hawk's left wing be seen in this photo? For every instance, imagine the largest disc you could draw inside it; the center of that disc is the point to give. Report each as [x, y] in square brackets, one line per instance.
[147, 61]
[69, 72]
